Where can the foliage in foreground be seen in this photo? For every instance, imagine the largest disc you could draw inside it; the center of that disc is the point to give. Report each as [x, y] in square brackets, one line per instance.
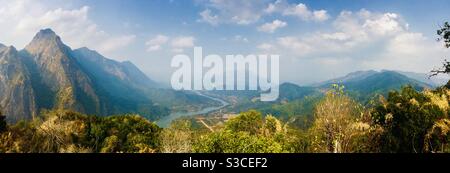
[413, 121]
[66, 131]
[405, 121]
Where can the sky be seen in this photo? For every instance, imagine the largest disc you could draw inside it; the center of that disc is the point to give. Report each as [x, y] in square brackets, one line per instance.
[316, 39]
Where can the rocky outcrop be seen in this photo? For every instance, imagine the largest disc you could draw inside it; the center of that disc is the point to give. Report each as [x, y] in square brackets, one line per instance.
[48, 74]
[17, 98]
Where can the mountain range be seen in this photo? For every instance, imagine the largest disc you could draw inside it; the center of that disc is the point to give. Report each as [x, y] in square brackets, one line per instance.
[47, 74]
[361, 85]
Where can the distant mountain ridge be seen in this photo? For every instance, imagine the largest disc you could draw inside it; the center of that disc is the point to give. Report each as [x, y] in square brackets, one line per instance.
[361, 76]
[361, 85]
[47, 74]
[364, 85]
[434, 81]
[124, 71]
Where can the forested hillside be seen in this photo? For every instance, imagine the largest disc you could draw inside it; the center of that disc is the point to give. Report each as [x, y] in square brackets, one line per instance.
[405, 121]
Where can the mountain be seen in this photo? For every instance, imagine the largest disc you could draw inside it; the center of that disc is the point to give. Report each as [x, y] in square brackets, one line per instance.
[290, 91]
[245, 100]
[125, 80]
[373, 80]
[354, 76]
[47, 74]
[114, 80]
[110, 71]
[54, 68]
[365, 84]
[435, 81]
[17, 97]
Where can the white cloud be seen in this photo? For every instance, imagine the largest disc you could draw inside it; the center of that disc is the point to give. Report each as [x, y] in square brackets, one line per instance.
[300, 11]
[387, 23]
[320, 15]
[251, 11]
[265, 46]
[271, 27]
[369, 40]
[153, 48]
[275, 7]
[207, 17]
[183, 42]
[409, 51]
[25, 18]
[177, 44]
[114, 43]
[156, 43]
[352, 31]
[232, 11]
[295, 44]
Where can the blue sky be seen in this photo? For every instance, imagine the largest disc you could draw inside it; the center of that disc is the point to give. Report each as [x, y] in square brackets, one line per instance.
[316, 39]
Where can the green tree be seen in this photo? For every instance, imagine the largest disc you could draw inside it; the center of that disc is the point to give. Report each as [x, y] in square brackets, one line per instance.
[406, 117]
[338, 127]
[236, 142]
[66, 131]
[438, 137]
[250, 121]
[247, 133]
[111, 145]
[178, 138]
[444, 35]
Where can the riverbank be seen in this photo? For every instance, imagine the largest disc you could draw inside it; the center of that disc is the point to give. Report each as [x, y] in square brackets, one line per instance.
[165, 121]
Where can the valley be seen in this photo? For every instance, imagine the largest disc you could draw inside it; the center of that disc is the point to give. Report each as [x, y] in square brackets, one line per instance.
[165, 121]
[102, 105]
[48, 75]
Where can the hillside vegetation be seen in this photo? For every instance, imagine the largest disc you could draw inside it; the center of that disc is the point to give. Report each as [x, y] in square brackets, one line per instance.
[405, 121]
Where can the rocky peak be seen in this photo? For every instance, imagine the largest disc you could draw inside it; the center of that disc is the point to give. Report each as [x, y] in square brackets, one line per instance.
[2, 47]
[89, 54]
[44, 40]
[7, 50]
[46, 34]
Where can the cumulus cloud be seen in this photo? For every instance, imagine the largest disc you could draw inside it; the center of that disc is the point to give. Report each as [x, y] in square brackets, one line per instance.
[156, 43]
[207, 17]
[265, 46]
[368, 40]
[183, 42]
[25, 17]
[232, 11]
[300, 11]
[113, 43]
[251, 11]
[352, 31]
[275, 6]
[177, 44]
[295, 44]
[271, 27]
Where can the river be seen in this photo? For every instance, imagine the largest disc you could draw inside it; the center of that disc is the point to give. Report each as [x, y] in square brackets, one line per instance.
[165, 121]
